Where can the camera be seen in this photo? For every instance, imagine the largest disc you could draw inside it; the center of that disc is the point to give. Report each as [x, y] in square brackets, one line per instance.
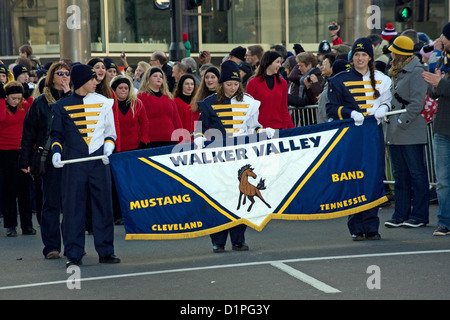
[428, 48]
[333, 27]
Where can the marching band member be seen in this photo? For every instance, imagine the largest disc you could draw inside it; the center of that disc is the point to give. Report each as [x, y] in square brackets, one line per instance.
[83, 125]
[354, 94]
[232, 112]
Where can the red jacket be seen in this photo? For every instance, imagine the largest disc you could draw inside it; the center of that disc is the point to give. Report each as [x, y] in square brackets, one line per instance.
[273, 112]
[163, 117]
[11, 125]
[133, 127]
[187, 116]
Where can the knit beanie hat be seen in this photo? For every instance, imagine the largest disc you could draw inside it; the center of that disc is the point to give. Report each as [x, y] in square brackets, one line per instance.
[239, 52]
[403, 46]
[388, 32]
[109, 64]
[118, 81]
[446, 31]
[3, 69]
[18, 70]
[364, 45]
[213, 70]
[94, 61]
[270, 56]
[341, 65]
[80, 74]
[229, 71]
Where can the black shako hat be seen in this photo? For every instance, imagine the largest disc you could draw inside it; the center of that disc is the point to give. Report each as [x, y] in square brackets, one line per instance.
[229, 71]
[80, 74]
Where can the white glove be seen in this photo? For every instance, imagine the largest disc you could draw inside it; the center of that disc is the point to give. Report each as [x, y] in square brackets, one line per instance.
[200, 142]
[56, 160]
[358, 117]
[269, 132]
[108, 148]
[105, 160]
[380, 113]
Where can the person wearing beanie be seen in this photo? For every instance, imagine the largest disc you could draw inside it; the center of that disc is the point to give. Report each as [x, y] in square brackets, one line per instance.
[111, 69]
[389, 32]
[21, 73]
[233, 113]
[439, 87]
[406, 137]
[134, 123]
[237, 54]
[83, 126]
[15, 183]
[3, 73]
[355, 94]
[269, 87]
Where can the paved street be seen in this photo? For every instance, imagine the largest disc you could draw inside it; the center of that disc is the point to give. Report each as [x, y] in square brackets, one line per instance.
[288, 260]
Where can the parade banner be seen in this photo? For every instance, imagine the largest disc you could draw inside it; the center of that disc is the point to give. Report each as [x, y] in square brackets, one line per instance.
[309, 173]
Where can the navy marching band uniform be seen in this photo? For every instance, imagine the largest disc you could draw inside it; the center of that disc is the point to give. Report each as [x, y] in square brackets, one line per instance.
[352, 92]
[83, 126]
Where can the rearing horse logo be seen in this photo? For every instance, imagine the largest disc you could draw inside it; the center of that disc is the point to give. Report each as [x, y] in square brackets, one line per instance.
[247, 189]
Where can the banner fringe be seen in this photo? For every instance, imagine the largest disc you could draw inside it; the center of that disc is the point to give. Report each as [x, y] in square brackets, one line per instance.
[302, 217]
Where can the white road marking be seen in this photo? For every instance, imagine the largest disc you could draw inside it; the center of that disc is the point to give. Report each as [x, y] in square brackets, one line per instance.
[319, 285]
[150, 273]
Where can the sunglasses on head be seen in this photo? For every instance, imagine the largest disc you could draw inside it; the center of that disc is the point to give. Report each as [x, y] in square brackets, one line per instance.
[61, 73]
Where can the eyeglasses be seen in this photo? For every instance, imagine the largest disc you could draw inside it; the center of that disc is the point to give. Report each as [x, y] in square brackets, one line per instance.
[63, 73]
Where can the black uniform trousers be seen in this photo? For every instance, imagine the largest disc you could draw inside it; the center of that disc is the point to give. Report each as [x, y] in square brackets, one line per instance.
[51, 209]
[15, 191]
[80, 182]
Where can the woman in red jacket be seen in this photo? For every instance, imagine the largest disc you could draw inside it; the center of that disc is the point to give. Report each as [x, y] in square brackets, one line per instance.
[272, 90]
[132, 117]
[133, 122]
[161, 110]
[185, 91]
[15, 183]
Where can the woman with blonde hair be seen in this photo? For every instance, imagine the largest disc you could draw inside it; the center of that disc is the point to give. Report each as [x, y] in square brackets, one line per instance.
[132, 115]
[142, 66]
[133, 126]
[406, 137]
[161, 110]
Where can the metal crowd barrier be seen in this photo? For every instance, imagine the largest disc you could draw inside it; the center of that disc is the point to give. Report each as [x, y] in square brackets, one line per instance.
[307, 115]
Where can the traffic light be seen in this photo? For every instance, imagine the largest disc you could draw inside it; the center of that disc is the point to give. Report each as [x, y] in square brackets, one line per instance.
[403, 10]
[192, 4]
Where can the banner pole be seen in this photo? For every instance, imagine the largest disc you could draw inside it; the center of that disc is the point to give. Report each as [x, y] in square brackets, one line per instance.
[390, 113]
[82, 159]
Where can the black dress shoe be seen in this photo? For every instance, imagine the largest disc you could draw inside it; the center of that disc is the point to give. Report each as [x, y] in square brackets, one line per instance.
[72, 262]
[30, 231]
[218, 248]
[240, 247]
[11, 232]
[110, 259]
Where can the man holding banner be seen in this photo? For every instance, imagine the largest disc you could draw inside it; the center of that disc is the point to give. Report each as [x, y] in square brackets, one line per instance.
[355, 94]
[83, 125]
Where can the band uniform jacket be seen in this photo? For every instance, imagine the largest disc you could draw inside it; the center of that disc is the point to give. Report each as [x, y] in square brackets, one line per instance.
[81, 125]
